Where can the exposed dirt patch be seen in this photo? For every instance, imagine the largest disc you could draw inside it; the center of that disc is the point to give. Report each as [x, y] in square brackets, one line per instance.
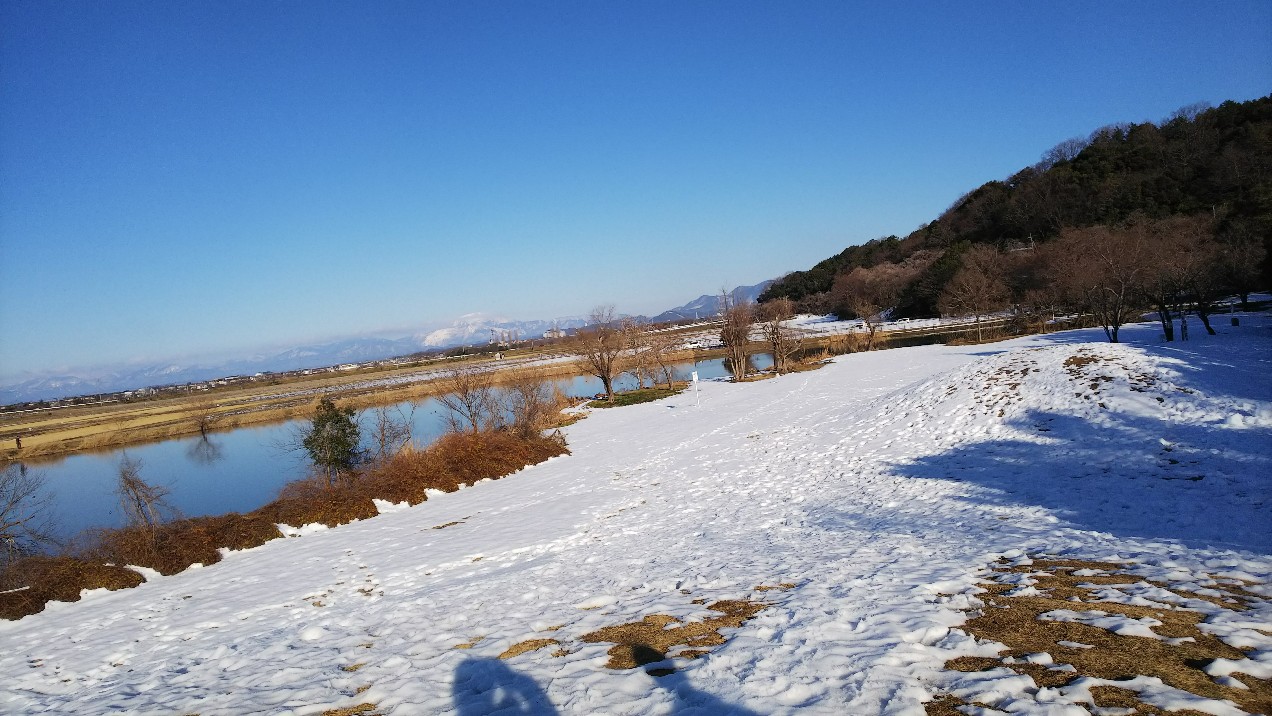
[365, 709]
[1114, 697]
[1178, 657]
[783, 586]
[470, 643]
[525, 646]
[654, 637]
[945, 705]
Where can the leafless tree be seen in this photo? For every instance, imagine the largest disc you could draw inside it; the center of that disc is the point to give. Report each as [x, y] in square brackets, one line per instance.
[661, 347]
[1065, 151]
[739, 317]
[205, 418]
[1103, 270]
[143, 504]
[529, 403]
[391, 430]
[977, 287]
[1183, 268]
[1241, 253]
[25, 513]
[783, 340]
[467, 393]
[599, 347]
[638, 363]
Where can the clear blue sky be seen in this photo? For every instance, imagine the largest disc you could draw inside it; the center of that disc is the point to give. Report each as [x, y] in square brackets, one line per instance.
[200, 177]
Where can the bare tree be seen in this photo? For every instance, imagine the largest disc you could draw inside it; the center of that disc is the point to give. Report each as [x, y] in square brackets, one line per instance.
[599, 346]
[1103, 270]
[205, 418]
[661, 347]
[25, 513]
[977, 287]
[782, 339]
[1240, 255]
[469, 398]
[1065, 151]
[739, 317]
[391, 430]
[528, 402]
[638, 361]
[1183, 267]
[143, 504]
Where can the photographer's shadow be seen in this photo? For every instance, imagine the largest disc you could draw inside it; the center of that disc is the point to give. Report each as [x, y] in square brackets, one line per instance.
[688, 700]
[488, 686]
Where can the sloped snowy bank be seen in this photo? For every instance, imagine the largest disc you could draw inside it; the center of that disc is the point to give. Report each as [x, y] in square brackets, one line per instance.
[861, 504]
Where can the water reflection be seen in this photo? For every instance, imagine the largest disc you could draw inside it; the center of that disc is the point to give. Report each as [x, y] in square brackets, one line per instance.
[241, 469]
[204, 451]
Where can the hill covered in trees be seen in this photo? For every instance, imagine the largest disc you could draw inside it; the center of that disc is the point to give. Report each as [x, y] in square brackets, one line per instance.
[1203, 170]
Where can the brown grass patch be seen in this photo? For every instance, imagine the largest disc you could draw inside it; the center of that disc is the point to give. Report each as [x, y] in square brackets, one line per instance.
[32, 582]
[945, 705]
[1014, 621]
[470, 643]
[366, 709]
[783, 587]
[458, 459]
[525, 646]
[650, 639]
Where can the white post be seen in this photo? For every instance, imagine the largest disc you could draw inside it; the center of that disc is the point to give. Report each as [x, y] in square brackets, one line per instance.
[695, 390]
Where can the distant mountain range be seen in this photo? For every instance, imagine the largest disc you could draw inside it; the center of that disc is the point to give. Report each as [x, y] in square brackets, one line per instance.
[470, 329]
[708, 304]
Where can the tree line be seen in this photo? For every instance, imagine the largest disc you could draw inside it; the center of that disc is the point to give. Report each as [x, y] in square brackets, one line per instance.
[1193, 192]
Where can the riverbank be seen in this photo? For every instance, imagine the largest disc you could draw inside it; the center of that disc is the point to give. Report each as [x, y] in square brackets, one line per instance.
[70, 430]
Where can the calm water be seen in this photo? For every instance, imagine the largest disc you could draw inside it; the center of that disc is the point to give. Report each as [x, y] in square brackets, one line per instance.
[241, 470]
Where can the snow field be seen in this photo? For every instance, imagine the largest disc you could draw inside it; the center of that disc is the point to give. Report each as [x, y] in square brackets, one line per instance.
[881, 487]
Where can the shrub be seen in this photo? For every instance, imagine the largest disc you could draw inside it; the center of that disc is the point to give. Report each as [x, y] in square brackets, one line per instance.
[30, 583]
[314, 501]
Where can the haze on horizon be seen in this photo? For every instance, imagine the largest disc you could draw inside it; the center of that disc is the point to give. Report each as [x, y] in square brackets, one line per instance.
[182, 179]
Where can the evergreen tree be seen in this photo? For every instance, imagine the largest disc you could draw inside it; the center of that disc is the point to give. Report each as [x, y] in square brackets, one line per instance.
[332, 442]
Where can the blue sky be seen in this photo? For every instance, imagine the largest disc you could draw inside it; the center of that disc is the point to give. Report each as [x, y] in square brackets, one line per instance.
[182, 179]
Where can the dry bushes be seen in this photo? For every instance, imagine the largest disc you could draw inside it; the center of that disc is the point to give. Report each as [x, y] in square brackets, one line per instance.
[458, 459]
[173, 547]
[313, 501]
[43, 579]
[455, 460]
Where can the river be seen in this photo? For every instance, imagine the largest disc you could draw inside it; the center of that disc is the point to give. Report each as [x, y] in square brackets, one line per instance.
[242, 469]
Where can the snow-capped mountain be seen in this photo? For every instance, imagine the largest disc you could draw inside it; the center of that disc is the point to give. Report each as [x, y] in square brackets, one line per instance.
[708, 304]
[471, 329]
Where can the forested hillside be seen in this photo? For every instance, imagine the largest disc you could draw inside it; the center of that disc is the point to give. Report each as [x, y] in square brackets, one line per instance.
[1212, 166]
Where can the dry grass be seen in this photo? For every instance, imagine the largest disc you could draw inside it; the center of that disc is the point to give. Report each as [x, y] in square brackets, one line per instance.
[1014, 622]
[527, 646]
[34, 581]
[173, 547]
[364, 709]
[652, 638]
[783, 587]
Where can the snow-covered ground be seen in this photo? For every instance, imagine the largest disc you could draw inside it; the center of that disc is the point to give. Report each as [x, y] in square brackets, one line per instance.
[876, 491]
